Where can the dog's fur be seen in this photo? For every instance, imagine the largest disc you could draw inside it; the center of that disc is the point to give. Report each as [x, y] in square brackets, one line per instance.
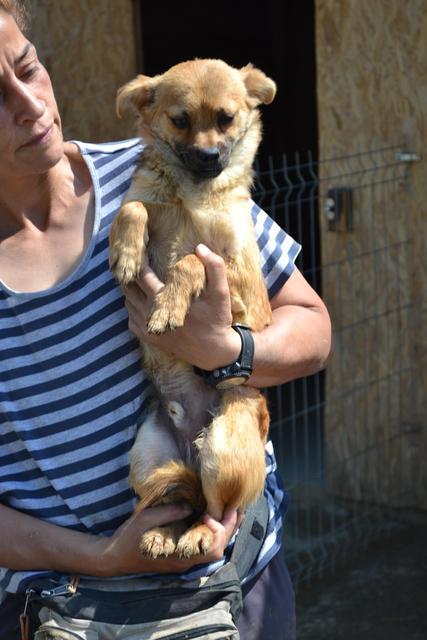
[202, 129]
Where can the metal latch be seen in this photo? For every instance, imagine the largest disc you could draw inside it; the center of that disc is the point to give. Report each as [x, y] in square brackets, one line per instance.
[62, 590]
[338, 208]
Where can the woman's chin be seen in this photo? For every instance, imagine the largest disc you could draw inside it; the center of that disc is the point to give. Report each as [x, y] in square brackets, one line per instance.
[40, 158]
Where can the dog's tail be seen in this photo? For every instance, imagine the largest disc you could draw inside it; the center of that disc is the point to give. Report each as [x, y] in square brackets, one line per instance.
[171, 483]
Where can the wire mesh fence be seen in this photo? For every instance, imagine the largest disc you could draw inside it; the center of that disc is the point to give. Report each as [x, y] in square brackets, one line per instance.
[340, 436]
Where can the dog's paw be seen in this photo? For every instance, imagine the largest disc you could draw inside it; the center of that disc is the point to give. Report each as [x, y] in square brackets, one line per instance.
[158, 542]
[168, 314]
[161, 321]
[194, 542]
[125, 262]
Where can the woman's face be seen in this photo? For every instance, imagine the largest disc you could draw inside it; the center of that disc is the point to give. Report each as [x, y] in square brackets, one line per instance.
[30, 127]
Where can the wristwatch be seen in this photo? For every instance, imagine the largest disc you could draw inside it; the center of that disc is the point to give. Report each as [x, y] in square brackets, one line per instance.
[238, 372]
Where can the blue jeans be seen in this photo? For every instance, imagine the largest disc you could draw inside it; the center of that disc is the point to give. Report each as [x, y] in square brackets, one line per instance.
[269, 605]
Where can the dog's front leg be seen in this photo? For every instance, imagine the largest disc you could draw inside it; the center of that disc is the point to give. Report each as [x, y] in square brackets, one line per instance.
[128, 239]
[185, 282]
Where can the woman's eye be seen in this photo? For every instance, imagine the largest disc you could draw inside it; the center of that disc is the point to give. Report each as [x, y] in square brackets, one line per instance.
[28, 73]
[224, 119]
[181, 122]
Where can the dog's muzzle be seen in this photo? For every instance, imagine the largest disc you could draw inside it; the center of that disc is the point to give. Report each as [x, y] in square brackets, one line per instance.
[204, 163]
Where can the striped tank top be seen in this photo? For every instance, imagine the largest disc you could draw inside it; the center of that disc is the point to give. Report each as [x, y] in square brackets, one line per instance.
[72, 392]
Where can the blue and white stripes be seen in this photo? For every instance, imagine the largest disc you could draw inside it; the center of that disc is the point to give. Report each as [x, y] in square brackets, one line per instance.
[72, 392]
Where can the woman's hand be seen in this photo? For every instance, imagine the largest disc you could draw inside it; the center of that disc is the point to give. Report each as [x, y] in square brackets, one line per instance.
[206, 340]
[120, 555]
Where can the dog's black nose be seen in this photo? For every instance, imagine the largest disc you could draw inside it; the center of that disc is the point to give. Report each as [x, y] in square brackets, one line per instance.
[206, 157]
[206, 162]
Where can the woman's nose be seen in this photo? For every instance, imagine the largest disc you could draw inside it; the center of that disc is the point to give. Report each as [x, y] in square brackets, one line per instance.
[28, 107]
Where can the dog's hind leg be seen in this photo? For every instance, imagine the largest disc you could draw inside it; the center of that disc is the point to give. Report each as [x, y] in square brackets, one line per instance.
[232, 451]
[232, 462]
[154, 446]
[171, 483]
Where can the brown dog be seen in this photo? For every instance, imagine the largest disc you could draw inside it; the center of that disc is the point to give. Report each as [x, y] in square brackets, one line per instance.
[202, 129]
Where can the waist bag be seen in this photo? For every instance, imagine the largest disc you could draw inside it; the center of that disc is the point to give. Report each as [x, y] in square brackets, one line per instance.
[204, 608]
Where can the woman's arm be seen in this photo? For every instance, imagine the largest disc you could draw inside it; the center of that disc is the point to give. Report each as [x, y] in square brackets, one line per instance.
[28, 543]
[298, 341]
[296, 344]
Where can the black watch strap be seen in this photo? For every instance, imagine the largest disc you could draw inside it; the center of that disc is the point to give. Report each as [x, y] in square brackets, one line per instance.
[237, 372]
[246, 357]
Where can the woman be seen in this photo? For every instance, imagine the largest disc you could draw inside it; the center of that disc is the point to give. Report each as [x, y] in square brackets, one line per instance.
[72, 394]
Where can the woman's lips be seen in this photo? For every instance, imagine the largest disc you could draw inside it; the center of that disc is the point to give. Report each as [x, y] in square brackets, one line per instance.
[39, 139]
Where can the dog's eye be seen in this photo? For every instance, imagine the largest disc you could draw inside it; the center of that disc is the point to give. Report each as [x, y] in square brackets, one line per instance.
[181, 122]
[224, 119]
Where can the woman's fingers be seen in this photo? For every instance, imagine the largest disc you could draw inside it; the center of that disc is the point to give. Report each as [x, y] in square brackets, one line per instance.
[149, 283]
[217, 288]
[229, 524]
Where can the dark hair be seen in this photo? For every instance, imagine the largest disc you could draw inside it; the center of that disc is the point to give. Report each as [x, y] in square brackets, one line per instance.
[18, 9]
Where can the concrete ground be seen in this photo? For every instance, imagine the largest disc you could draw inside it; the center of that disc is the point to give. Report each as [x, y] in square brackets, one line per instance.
[381, 595]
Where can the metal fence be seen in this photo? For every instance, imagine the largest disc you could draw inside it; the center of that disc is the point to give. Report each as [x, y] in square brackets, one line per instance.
[338, 434]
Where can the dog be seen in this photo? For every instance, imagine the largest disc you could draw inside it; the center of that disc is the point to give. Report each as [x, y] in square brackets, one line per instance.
[201, 125]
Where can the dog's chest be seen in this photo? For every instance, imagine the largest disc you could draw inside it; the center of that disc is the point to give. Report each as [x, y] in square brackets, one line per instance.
[175, 230]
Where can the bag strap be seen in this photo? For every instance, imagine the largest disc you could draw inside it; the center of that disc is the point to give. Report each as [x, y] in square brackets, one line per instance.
[250, 537]
[68, 589]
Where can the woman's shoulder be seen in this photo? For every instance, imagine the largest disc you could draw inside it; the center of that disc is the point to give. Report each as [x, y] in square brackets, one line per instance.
[109, 160]
[128, 146]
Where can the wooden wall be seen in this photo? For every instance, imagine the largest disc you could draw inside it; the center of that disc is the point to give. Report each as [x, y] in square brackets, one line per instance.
[372, 94]
[89, 49]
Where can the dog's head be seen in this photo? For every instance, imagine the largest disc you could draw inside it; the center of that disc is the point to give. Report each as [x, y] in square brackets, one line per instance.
[201, 115]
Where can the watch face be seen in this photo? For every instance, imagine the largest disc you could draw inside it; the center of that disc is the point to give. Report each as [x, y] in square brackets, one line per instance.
[234, 381]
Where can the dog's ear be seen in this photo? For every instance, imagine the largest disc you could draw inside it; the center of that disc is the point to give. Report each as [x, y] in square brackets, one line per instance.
[137, 93]
[260, 88]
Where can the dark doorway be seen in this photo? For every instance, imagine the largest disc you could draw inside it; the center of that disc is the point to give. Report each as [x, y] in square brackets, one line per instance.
[276, 36]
